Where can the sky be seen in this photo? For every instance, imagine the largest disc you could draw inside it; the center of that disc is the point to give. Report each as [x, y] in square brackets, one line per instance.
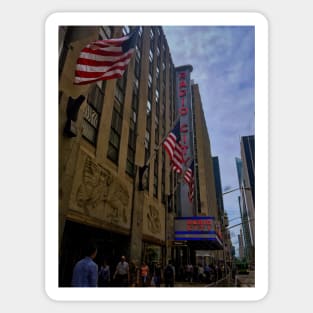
[222, 58]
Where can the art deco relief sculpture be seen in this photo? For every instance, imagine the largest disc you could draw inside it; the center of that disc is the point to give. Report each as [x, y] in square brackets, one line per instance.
[154, 224]
[99, 191]
[117, 203]
[95, 185]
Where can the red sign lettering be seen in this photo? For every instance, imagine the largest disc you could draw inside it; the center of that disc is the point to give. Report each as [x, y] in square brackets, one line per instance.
[183, 110]
[182, 75]
[184, 128]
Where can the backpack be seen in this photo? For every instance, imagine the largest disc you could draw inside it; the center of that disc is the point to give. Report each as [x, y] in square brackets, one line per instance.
[169, 273]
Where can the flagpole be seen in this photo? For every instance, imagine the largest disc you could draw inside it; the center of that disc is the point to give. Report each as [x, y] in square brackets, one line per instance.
[160, 144]
[143, 168]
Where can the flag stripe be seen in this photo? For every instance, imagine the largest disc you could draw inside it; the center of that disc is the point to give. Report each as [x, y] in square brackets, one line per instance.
[109, 75]
[104, 58]
[109, 48]
[170, 144]
[103, 52]
[93, 71]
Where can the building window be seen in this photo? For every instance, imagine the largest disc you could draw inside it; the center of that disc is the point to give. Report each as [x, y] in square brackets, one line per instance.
[137, 72]
[151, 34]
[156, 131]
[148, 108]
[157, 73]
[136, 83]
[140, 31]
[147, 145]
[93, 112]
[125, 30]
[138, 54]
[163, 178]
[115, 134]
[150, 80]
[105, 32]
[150, 56]
[117, 118]
[120, 88]
[157, 95]
[164, 72]
[137, 62]
[148, 125]
[130, 163]
[155, 178]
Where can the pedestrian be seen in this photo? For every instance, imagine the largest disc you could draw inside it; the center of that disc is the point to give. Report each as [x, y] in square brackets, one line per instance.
[207, 273]
[157, 275]
[169, 274]
[200, 273]
[121, 275]
[189, 272]
[213, 273]
[133, 274]
[144, 272]
[85, 272]
[104, 275]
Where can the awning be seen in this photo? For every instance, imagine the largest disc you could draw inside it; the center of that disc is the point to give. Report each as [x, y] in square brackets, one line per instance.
[198, 231]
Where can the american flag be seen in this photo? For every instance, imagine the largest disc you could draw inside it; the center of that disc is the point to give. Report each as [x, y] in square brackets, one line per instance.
[189, 179]
[173, 148]
[105, 59]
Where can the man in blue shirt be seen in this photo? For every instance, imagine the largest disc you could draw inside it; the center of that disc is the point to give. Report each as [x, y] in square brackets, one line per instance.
[85, 273]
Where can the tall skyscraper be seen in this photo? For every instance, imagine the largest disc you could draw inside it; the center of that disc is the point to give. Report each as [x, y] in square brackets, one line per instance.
[246, 177]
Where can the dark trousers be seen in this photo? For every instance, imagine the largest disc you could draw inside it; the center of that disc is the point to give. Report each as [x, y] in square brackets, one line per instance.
[169, 283]
[121, 280]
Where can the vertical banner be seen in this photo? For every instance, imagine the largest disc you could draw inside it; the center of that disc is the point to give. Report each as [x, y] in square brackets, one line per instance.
[183, 101]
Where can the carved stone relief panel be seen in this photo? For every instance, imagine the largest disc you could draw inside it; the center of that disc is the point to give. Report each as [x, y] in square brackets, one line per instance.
[117, 203]
[102, 195]
[94, 187]
[153, 218]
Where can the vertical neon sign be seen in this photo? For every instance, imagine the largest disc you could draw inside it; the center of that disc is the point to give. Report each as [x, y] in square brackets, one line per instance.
[184, 110]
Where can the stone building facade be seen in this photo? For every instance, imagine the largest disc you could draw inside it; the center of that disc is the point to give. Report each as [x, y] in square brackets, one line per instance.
[116, 129]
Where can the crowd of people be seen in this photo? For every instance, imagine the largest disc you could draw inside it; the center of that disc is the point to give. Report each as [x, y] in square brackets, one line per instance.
[87, 273]
[204, 274]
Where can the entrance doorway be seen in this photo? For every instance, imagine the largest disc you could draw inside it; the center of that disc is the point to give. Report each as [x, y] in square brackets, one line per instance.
[111, 246]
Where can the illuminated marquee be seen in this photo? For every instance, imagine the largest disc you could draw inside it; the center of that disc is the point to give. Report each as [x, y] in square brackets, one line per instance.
[195, 228]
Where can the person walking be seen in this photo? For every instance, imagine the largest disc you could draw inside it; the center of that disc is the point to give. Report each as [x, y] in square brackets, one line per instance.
[85, 272]
[144, 272]
[189, 272]
[200, 273]
[157, 275]
[169, 274]
[121, 275]
[104, 275]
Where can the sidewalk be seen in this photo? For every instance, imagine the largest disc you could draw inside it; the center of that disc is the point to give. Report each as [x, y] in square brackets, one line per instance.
[187, 285]
[245, 280]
